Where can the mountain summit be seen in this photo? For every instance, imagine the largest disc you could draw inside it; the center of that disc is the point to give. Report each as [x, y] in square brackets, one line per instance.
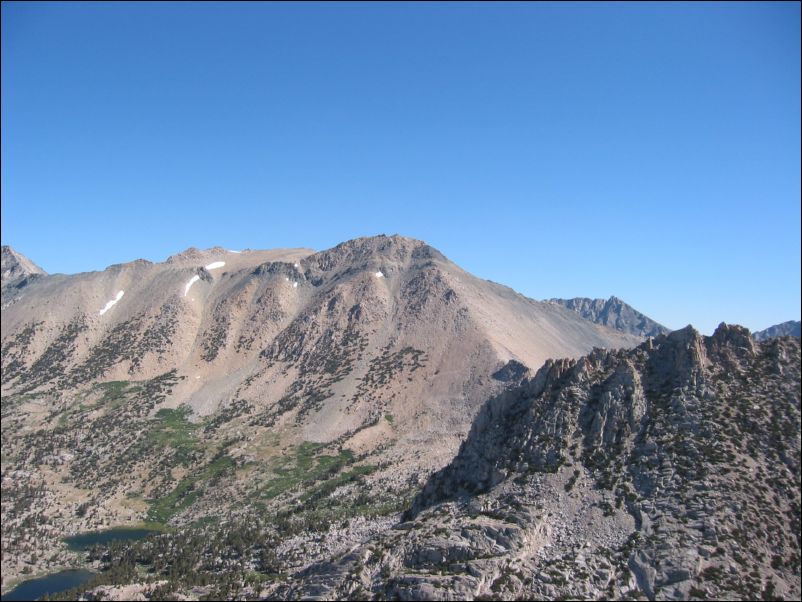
[14, 265]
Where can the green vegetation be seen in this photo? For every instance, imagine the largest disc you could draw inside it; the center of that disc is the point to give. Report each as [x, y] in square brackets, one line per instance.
[341, 479]
[301, 465]
[221, 558]
[173, 429]
[572, 481]
[114, 393]
[188, 490]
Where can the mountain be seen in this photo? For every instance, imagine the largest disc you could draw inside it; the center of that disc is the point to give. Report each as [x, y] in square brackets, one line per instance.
[317, 389]
[669, 471]
[614, 313]
[786, 329]
[14, 265]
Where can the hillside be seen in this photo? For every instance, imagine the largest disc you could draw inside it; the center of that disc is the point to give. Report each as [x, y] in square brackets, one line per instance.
[671, 471]
[223, 381]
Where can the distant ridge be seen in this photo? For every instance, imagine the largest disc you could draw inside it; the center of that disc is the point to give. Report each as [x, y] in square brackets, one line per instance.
[614, 313]
[791, 328]
[15, 265]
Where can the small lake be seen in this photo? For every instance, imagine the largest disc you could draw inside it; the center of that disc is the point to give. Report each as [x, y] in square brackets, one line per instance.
[49, 584]
[84, 541]
[64, 580]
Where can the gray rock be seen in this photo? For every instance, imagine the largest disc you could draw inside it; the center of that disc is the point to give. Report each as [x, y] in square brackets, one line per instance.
[792, 328]
[614, 313]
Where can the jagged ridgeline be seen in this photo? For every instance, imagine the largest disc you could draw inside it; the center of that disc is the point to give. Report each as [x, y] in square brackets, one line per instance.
[671, 471]
[288, 421]
[613, 312]
[791, 328]
[245, 384]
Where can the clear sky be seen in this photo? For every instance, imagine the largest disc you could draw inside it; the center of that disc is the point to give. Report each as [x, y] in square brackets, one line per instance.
[647, 151]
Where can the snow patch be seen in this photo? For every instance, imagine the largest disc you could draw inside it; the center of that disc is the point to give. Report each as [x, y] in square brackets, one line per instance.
[237, 252]
[379, 274]
[295, 265]
[294, 285]
[192, 281]
[112, 302]
[215, 264]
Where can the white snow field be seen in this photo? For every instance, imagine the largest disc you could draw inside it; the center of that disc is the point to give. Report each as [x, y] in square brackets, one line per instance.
[112, 302]
[379, 274]
[192, 281]
[215, 264]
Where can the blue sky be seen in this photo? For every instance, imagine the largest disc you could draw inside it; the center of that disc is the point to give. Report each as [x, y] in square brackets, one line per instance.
[647, 151]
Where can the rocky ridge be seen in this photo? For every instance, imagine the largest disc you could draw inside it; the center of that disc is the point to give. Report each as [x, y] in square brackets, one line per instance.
[15, 265]
[614, 313]
[792, 328]
[671, 471]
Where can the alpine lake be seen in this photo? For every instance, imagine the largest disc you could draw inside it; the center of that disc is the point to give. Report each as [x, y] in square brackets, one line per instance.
[61, 581]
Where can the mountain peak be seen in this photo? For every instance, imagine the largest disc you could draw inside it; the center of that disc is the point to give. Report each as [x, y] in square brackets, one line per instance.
[381, 244]
[382, 253]
[195, 254]
[683, 334]
[15, 265]
[732, 332]
[614, 313]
